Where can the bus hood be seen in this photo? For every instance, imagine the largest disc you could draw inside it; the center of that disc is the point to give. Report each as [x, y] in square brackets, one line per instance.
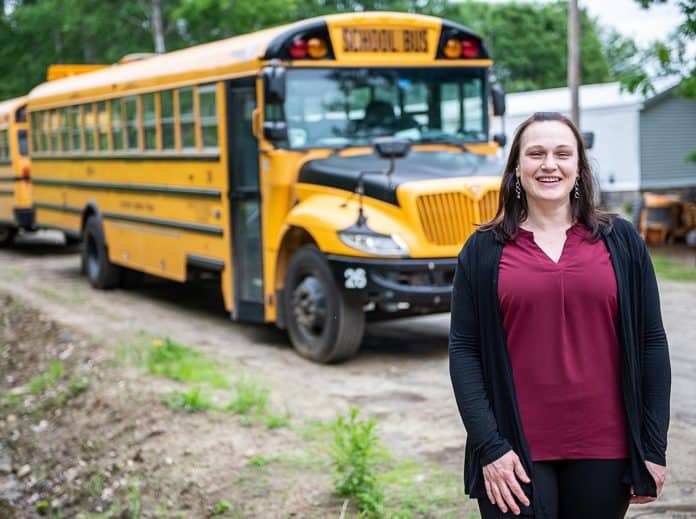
[342, 172]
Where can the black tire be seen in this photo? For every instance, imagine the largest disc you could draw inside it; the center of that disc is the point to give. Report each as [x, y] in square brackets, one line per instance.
[100, 272]
[324, 324]
[7, 236]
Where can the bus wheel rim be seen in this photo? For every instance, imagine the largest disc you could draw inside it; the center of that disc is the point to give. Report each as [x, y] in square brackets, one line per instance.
[309, 306]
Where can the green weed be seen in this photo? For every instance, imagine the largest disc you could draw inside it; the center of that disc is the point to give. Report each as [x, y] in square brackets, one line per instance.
[276, 421]
[134, 500]
[168, 359]
[355, 454]
[220, 507]
[668, 269]
[249, 397]
[258, 461]
[47, 379]
[190, 401]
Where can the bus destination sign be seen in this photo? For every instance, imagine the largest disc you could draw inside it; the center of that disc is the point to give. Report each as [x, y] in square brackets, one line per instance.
[385, 40]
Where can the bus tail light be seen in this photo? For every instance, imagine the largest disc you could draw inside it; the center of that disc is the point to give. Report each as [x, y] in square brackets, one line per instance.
[298, 49]
[26, 172]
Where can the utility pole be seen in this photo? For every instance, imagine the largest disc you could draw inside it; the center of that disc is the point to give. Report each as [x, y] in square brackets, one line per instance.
[574, 59]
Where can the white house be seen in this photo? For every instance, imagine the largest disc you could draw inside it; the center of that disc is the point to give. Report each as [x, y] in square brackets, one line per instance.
[639, 142]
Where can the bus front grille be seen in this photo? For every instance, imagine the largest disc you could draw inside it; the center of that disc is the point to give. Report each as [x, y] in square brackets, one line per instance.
[449, 218]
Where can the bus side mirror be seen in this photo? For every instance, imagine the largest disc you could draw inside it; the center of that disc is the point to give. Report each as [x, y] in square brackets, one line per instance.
[498, 96]
[274, 85]
[588, 139]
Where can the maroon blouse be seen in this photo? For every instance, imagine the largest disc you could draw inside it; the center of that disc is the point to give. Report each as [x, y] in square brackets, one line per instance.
[560, 320]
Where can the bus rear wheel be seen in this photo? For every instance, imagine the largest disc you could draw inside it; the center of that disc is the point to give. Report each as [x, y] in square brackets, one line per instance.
[7, 235]
[100, 272]
[323, 323]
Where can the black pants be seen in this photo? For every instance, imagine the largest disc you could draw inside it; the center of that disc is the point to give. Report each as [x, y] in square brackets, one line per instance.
[575, 489]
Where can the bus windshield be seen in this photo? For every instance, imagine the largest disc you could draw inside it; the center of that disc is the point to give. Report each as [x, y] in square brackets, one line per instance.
[350, 106]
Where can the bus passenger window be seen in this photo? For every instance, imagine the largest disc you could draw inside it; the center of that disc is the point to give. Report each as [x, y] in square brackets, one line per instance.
[55, 131]
[103, 126]
[4, 146]
[149, 121]
[23, 144]
[208, 111]
[65, 133]
[76, 125]
[132, 123]
[117, 125]
[89, 126]
[186, 119]
[167, 118]
[35, 131]
[44, 132]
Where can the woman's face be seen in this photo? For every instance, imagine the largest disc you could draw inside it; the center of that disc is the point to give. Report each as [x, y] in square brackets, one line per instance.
[548, 163]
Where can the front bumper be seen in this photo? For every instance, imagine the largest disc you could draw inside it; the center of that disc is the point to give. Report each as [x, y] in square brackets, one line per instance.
[396, 286]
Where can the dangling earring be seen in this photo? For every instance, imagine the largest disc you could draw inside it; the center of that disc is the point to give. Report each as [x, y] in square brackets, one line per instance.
[518, 188]
[577, 187]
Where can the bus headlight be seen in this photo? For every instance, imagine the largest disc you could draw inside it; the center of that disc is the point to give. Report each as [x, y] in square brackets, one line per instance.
[374, 243]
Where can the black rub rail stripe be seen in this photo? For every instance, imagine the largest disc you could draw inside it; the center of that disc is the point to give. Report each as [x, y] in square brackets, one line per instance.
[204, 262]
[146, 188]
[193, 227]
[143, 158]
[9, 179]
[56, 207]
[6, 192]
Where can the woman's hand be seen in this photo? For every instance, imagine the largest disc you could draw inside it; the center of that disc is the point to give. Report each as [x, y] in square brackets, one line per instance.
[500, 478]
[659, 473]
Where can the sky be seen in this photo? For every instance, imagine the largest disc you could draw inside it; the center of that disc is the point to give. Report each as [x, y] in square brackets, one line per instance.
[627, 17]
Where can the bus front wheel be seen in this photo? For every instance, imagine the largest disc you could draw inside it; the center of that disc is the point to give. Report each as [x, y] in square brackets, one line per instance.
[7, 235]
[100, 272]
[324, 325]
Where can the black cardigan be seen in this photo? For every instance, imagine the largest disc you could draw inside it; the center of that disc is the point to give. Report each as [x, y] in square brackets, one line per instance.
[482, 376]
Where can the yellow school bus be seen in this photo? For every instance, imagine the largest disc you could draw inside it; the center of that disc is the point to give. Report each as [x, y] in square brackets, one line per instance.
[15, 188]
[252, 159]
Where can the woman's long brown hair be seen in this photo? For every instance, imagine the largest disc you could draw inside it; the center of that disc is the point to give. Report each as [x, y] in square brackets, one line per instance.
[513, 211]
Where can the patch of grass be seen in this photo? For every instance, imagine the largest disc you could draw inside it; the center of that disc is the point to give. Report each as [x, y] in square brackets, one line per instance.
[668, 269]
[47, 379]
[220, 507]
[77, 386]
[276, 421]
[250, 397]
[246, 421]
[258, 461]
[191, 401]
[134, 500]
[97, 483]
[416, 490]
[355, 454]
[172, 360]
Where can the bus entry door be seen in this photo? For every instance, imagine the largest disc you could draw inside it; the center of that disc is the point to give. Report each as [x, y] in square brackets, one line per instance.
[245, 202]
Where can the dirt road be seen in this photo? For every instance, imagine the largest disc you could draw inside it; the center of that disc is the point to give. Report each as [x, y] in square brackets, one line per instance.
[400, 376]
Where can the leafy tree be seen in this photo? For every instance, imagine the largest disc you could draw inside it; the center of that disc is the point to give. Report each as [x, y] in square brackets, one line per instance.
[668, 58]
[529, 43]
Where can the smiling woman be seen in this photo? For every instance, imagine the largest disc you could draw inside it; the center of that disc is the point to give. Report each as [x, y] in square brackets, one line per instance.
[555, 307]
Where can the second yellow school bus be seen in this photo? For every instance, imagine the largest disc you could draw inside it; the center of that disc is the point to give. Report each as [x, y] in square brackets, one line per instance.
[250, 158]
[16, 211]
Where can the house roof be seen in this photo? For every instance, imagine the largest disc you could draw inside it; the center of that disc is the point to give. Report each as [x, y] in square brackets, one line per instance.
[592, 97]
